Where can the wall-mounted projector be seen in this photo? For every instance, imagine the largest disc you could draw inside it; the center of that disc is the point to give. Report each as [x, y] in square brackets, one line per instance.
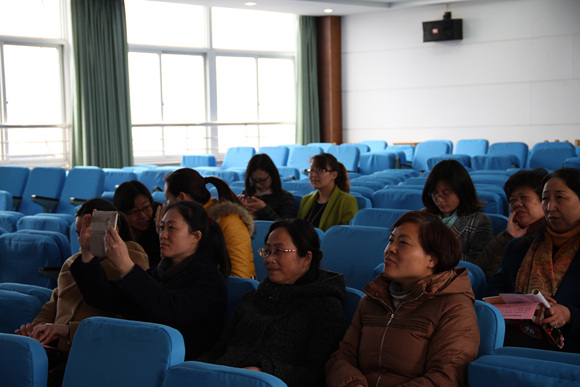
[441, 30]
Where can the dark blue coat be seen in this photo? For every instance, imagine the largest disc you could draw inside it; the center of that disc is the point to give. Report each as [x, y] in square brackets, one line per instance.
[568, 293]
[194, 302]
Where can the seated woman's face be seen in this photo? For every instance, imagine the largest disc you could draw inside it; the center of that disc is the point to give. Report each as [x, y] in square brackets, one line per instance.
[444, 198]
[284, 265]
[140, 216]
[261, 180]
[526, 205]
[175, 239]
[561, 206]
[321, 177]
[405, 260]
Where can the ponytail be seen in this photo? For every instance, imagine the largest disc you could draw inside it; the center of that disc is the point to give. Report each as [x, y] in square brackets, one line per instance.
[224, 191]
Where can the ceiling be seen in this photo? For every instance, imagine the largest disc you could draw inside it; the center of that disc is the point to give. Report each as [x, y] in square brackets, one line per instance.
[317, 7]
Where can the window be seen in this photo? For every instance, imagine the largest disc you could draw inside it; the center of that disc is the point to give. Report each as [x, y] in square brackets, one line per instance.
[190, 94]
[33, 127]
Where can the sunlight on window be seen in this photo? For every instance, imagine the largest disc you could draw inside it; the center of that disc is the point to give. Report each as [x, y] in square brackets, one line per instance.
[183, 88]
[36, 142]
[276, 89]
[231, 136]
[145, 87]
[237, 92]
[240, 29]
[147, 141]
[164, 23]
[32, 18]
[33, 93]
[184, 140]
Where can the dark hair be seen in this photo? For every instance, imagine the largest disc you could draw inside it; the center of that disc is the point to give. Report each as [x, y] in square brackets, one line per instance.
[571, 177]
[459, 181]
[328, 161]
[264, 162]
[127, 192]
[101, 204]
[437, 240]
[526, 178]
[303, 236]
[190, 182]
[212, 239]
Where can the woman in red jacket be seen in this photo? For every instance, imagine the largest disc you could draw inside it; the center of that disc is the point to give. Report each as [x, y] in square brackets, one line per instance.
[416, 325]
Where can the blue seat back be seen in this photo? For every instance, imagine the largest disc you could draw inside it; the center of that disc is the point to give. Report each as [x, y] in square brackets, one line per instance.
[498, 180]
[115, 177]
[13, 179]
[464, 160]
[375, 145]
[494, 162]
[261, 228]
[23, 362]
[61, 240]
[154, 178]
[238, 156]
[347, 154]
[426, 150]
[373, 184]
[351, 301]
[133, 353]
[42, 181]
[363, 148]
[491, 328]
[22, 254]
[399, 199]
[194, 161]
[471, 147]
[408, 149]
[339, 250]
[476, 277]
[553, 145]
[302, 186]
[377, 217]
[9, 220]
[299, 158]
[44, 223]
[498, 222]
[81, 183]
[493, 202]
[278, 154]
[227, 176]
[237, 287]
[290, 172]
[519, 149]
[16, 309]
[573, 162]
[361, 201]
[376, 161]
[322, 145]
[550, 158]
[212, 375]
[364, 191]
[418, 181]
[41, 293]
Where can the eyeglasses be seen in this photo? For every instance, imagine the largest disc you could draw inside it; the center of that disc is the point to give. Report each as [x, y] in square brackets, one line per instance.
[443, 195]
[277, 253]
[317, 171]
[259, 181]
[135, 213]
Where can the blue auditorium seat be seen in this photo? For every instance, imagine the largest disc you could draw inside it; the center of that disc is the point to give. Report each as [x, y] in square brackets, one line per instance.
[212, 375]
[23, 362]
[195, 161]
[355, 260]
[22, 254]
[409, 151]
[494, 162]
[154, 178]
[495, 179]
[322, 145]
[351, 301]
[299, 158]
[476, 277]
[375, 145]
[113, 178]
[553, 145]
[572, 162]
[45, 223]
[12, 181]
[278, 154]
[493, 202]
[418, 180]
[132, 353]
[347, 154]
[43, 294]
[60, 239]
[519, 149]
[237, 287]
[491, 328]
[373, 184]
[377, 217]
[302, 186]
[498, 222]
[16, 309]
[261, 228]
[403, 199]
[464, 160]
[425, 150]
[551, 158]
[229, 176]
[471, 147]
[376, 161]
[364, 191]
[361, 201]
[363, 148]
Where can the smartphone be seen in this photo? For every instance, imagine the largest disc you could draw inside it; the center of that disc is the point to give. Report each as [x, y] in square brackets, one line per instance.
[100, 223]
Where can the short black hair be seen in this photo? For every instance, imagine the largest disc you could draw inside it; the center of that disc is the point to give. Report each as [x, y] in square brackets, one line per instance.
[526, 178]
[571, 177]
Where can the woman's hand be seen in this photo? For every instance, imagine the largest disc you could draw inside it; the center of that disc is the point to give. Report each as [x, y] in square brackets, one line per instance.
[25, 330]
[49, 332]
[514, 229]
[252, 203]
[117, 251]
[159, 216]
[558, 315]
[253, 369]
[84, 236]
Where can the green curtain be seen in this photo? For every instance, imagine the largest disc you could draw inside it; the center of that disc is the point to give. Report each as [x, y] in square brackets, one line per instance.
[307, 110]
[101, 133]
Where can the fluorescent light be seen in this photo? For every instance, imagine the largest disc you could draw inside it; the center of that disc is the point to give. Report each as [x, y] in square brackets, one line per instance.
[251, 4]
[328, 10]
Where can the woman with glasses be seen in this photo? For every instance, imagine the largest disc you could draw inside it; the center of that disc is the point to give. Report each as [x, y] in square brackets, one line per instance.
[134, 200]
[236, 222]
[263, 195]
[293, 322]
[450, 194]
[332, 204]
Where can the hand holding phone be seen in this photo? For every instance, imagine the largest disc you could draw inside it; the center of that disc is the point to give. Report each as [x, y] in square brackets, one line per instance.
[101, 220]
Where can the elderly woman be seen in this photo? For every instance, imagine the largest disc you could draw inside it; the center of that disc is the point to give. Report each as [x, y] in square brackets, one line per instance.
[290, 326]
[417, 323]
[450, 194]
[524, 192]
[549, 262]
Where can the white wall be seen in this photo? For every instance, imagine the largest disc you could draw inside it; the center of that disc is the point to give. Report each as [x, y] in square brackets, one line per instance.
[515, 76]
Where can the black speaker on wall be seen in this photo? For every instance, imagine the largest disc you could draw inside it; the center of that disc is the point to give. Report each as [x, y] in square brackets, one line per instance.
[442, 30]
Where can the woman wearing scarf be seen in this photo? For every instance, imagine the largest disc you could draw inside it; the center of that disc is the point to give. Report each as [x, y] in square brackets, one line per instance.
[550, 263]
